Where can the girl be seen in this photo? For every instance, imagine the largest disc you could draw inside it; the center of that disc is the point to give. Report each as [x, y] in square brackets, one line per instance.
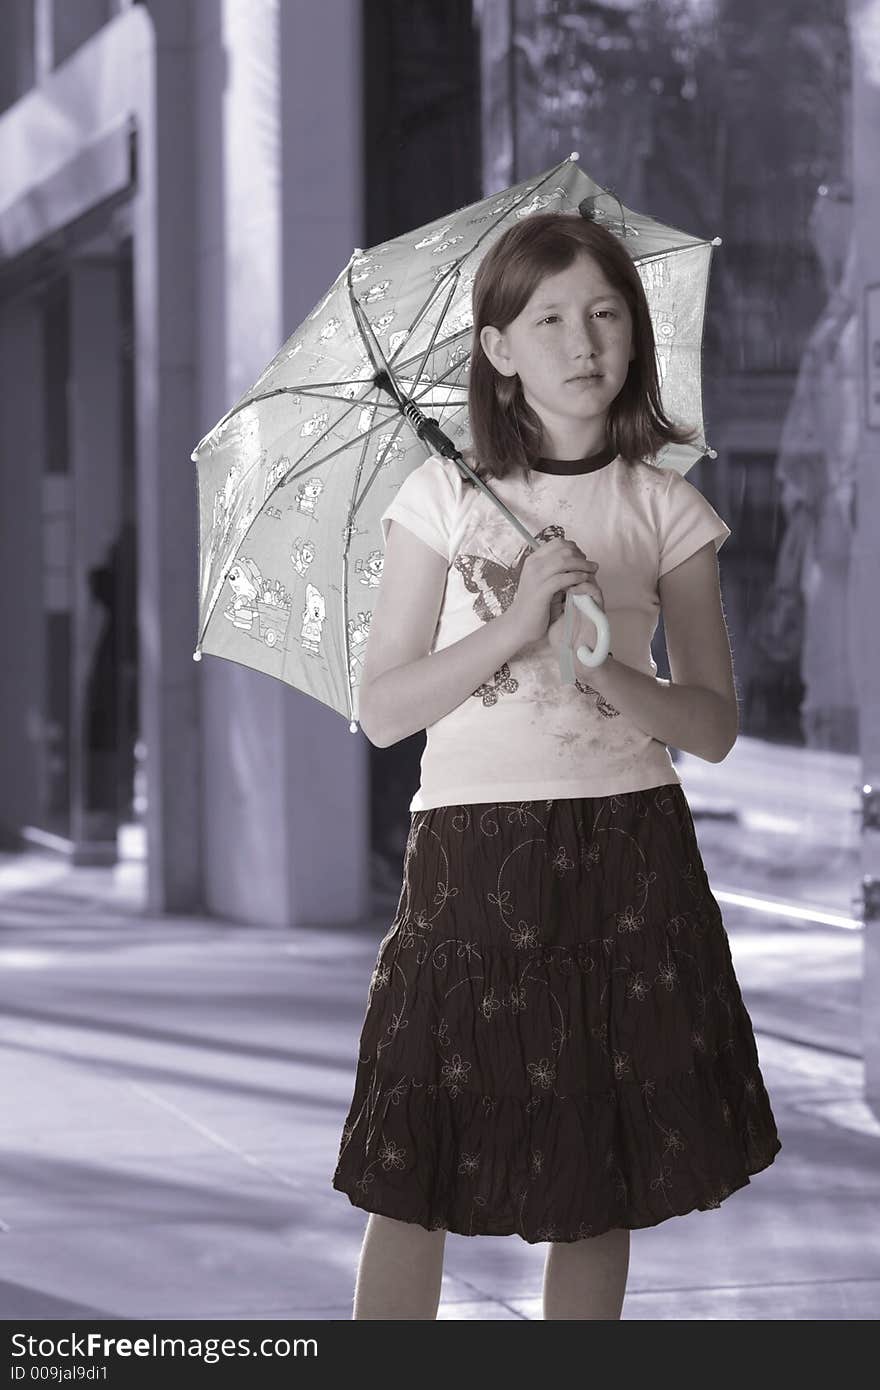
[555, 1044]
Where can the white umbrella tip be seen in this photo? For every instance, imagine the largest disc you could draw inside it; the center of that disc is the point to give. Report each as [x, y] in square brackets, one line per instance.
[713, 453]
[353, 728]
[197, 654]
[716, 241]
[575, 154]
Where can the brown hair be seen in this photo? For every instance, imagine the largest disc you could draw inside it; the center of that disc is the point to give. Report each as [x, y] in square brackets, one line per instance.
[506, 433]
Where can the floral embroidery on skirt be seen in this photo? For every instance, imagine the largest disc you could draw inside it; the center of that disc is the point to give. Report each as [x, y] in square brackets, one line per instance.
[555, 1043]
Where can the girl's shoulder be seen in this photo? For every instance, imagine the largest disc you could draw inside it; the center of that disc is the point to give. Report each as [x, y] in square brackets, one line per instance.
[436, 473]
[644, 468]
[661, 494]
[445, 476]
[439, 464]
[643, 477]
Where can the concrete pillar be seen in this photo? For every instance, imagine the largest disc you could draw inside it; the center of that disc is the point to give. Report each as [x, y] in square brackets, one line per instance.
[94, 400]
[164, 93]
[864, 17]
[326, 768]
[23, 744]
[285, 828]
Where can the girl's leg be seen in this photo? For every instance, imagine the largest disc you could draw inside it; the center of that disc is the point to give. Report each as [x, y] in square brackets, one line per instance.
[400, 1270]
[587, 1278]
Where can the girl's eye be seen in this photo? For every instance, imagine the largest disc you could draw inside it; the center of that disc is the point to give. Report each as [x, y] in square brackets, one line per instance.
[609, 312]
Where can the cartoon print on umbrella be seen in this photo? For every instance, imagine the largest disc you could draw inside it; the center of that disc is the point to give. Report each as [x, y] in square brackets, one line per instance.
[260, 606]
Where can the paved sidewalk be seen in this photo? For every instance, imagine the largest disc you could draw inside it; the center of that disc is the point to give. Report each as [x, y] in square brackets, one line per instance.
[174, 1092]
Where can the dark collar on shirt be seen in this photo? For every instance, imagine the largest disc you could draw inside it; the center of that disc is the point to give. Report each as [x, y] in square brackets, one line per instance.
[588, 464]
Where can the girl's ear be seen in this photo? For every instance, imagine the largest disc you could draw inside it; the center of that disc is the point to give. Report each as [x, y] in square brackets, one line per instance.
[493, 347]
[489, 342]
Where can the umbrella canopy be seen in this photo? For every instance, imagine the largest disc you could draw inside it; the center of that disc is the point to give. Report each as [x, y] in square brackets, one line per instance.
[293, 479]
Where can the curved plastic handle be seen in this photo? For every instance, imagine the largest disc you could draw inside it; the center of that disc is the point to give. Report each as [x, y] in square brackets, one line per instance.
[603, 630]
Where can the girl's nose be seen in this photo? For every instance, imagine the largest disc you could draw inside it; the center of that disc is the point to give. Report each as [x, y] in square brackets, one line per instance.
[587, 338]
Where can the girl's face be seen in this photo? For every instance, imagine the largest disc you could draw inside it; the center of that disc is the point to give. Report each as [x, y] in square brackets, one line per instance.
[575, 324]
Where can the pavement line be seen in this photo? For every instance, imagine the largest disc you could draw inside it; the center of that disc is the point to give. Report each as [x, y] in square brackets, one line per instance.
[212, 1134]
[831, 1282]
[782, 909]
[805, 1042]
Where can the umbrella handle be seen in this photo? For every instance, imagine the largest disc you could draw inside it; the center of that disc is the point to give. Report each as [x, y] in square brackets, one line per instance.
[599, 618]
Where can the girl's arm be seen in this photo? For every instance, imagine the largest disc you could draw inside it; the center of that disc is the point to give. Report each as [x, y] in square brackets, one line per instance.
[697, 710]
[406, 687]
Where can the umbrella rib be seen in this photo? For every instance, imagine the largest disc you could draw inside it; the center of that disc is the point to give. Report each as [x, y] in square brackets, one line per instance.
[667, 255]
[455, 274]
[404, 365]
[420, 393]
[294, 391]
[316, 394]
[330, 396]
[382, 401]
[362, 319]
[379, 462]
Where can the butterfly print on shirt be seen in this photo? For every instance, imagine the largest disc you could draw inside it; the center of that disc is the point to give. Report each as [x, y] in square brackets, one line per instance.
[502, 680]
[602, 705]
[494, 583]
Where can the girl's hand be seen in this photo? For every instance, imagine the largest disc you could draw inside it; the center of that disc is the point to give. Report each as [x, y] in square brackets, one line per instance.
[555, 561]
[584, 629]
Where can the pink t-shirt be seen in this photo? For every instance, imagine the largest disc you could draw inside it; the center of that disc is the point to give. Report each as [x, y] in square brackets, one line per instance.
[523, 735]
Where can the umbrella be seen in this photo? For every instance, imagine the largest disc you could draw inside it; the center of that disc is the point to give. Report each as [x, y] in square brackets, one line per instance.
[293, 479]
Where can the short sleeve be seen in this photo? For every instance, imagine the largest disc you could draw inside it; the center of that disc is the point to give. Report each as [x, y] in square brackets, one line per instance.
[686, 522]
[425, 503]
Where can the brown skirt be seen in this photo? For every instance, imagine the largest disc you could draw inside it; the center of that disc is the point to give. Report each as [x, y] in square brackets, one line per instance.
[555, 1043]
